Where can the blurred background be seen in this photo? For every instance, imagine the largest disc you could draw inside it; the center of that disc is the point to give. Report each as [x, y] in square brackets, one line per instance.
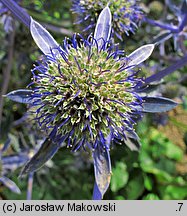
[158, 171]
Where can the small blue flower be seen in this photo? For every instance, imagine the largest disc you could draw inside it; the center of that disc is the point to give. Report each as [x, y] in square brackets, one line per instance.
[126, 15]
[87, 95]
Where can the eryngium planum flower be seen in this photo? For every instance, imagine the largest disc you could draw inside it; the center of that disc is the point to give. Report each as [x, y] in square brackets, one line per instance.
[126, 14]
[87, 95]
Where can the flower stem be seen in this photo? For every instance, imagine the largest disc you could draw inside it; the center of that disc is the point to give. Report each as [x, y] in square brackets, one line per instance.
[30, 185]
[173, 29]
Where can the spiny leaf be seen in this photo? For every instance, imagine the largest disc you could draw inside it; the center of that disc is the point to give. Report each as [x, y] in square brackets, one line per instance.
[10, 184]
[43, 38]
[46, 152]
[102, 169]
[140, 55]
[20, 96]
[103, 26]
[157, 104]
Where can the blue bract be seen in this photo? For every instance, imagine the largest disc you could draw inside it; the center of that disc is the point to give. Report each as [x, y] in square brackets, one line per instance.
[85, 96]
[5, 18]
[125, 14]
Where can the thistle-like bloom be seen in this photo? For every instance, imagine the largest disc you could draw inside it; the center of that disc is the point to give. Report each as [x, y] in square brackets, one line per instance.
[126, 14]
[86, 95]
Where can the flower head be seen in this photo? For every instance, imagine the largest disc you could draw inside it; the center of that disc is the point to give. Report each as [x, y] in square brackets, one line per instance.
[125, 14]
[86, 94]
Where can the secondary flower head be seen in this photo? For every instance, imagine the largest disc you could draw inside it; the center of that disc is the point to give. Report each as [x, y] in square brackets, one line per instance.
[85, 94]
[126, 14]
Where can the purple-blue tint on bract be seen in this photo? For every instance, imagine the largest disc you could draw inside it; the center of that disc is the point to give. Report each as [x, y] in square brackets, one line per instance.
[6, 19]
[103, 170]
[18, 12]
[4, 9]
[96, 193]
[84, 96]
